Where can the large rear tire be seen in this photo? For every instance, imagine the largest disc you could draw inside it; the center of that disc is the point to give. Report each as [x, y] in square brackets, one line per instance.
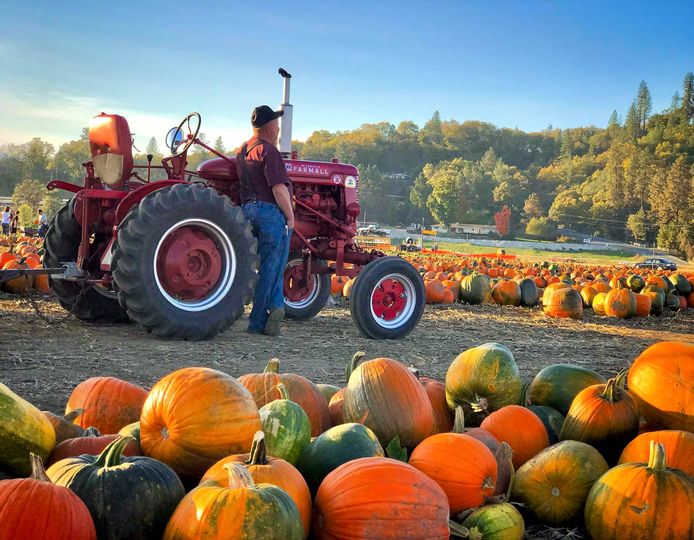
[61, 244]
[186, 262]
[387, 299]
[304, 299]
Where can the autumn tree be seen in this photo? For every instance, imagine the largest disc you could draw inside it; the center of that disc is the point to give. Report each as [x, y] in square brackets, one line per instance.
[638, 224]
[532, 207]
[68, 161]
[644, 104]
[502, 219]
[30, 192]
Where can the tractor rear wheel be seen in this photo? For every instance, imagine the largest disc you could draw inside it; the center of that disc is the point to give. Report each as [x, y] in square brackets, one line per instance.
[185, 263]
[61, 245]
[387, 298]
[304, 297]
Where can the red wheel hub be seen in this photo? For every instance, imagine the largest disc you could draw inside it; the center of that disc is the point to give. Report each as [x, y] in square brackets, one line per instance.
[296, 287]
[388, 299]
[189, 264]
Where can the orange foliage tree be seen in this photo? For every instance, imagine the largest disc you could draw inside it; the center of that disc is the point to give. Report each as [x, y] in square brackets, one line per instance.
[502, 219]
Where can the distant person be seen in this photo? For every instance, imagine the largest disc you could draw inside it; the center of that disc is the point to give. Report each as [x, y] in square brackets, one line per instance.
[6, 216]
[43, 223]
[14, 222]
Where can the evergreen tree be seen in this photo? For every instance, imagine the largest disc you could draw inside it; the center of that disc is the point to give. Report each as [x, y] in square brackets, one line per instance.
[631, 123]
[638, 224]
[644, 104]
[688, 95]
[152, 147]
[614, 120]
[219, 145]
[675, 103]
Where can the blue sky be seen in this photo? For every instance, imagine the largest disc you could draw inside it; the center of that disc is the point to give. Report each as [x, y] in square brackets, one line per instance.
[517, 63]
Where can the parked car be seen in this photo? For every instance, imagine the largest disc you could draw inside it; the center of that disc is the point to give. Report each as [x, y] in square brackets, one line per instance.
[372, 230]
[656, 263]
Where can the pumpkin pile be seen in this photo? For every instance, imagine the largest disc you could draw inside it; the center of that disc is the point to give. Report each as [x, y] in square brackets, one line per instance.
[22, 253]
[392, 454]
[562, 290]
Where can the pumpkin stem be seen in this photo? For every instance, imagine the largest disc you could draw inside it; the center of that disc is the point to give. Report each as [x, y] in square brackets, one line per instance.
[258, 454]
[621, 378]
[610, 393]
[38, 472]
[459, 421]
[284, 393]
[480, 405]
[72, 415]
[415, 371]
[239, 477]
[352, 365]
[656, 459]
[273, 366]
[475, 534]
[458, 530]
[112, 455]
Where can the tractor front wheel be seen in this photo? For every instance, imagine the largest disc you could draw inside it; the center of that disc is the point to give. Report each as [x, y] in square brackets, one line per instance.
[185, 264]
[387, 298]
[61, 245]
[304, 296]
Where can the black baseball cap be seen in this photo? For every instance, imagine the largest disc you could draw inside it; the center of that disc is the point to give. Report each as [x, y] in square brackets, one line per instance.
[263, 114]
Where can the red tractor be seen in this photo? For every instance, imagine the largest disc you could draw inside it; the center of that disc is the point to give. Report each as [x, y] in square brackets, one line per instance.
[178, 257]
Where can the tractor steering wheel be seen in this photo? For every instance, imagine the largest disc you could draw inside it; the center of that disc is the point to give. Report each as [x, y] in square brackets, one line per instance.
[179, 139]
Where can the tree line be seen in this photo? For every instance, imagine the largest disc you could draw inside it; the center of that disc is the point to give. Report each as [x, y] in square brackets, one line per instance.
[631, 180]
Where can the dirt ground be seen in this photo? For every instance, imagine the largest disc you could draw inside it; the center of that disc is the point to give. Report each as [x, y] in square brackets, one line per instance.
[43, 361]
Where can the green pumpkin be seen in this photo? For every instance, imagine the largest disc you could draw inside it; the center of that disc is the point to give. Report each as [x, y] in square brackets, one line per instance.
[495, 522]
[23, 429]
[334, 447]
[236, 508]
[657, 297]
[681, 284]
[475, 289]
[328, 390]
[551, 418]
[635, 283]
[529, 293]
[286, 426]
[556, 386]
[554, 485]
[672, 301]
[131, 430]
[129, 498]
[482, 380]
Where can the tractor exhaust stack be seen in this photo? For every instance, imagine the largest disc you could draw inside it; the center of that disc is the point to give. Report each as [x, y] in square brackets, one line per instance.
[285, 141]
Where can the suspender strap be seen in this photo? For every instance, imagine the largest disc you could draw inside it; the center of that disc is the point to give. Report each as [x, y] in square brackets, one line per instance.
[247, 191]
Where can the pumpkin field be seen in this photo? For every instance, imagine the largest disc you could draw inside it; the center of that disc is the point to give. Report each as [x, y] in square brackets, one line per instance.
[516, 409]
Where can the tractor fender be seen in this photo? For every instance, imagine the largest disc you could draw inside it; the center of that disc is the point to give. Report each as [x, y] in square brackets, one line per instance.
[135, 196]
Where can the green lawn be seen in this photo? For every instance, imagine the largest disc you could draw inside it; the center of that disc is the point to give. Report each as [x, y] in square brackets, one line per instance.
[595, 257]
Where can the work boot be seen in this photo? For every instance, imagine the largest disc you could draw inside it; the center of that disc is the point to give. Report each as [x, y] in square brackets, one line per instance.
[274, 322]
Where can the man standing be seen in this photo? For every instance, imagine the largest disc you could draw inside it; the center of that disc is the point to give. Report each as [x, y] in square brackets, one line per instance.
[43, 223]
[266, 200]
[6, 220]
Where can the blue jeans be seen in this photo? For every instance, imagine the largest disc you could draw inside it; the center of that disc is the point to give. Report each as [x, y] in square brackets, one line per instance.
[270, 228]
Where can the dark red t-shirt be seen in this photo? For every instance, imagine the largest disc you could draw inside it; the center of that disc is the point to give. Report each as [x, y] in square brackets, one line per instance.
[266, 169]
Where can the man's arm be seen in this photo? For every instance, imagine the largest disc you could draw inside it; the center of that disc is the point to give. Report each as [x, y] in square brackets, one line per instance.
[284, 201]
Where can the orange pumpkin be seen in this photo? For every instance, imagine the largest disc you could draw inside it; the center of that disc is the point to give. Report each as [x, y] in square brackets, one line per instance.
[337, 284]
[643, 305]
[7, 257]
[18, 285]
[403, 503]
[434, 291]
[507, 293]
[109, 403]
[263, 387]
[588, 294]
[386, 397]
[563, 302]
[464, 467]
[641, 500]
[34, 508]
[347, 289]
[265, 469]
[660, 382]
[679, 445]
[436, 392]
[521, 429]
[335, 407]
[196, 416]
[604, 416]
[620, 303]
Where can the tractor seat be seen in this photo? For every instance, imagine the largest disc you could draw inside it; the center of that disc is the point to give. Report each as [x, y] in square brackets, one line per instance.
[111, 146]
